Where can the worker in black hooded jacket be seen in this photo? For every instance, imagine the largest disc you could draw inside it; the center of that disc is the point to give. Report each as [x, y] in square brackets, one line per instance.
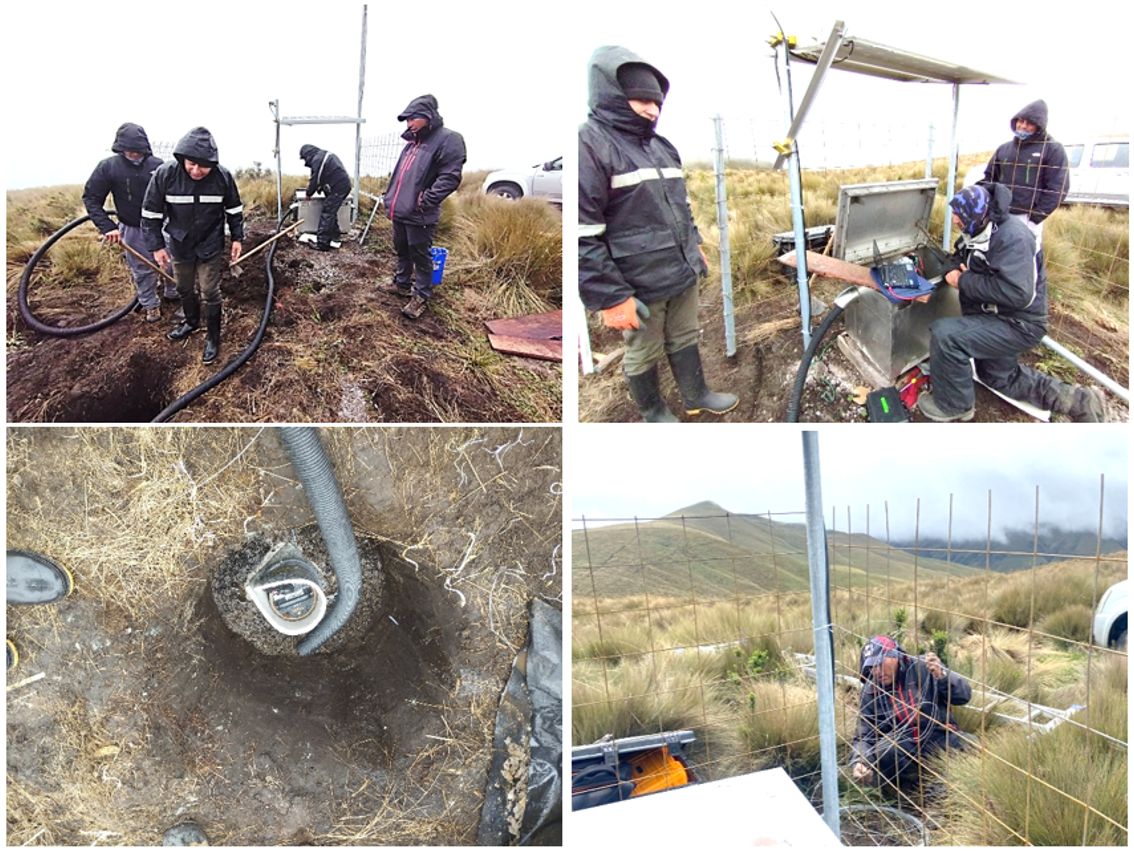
[125, 176]
[1033, 166]
[194, 196]
[428, 171]
[639, 251]
[329, 177]
[1002, 285]
[905, 712]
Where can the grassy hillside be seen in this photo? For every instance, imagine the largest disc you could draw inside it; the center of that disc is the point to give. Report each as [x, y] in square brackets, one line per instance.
[705, 552]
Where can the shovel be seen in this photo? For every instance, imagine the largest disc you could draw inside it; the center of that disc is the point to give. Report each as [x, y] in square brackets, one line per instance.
[234, 267]
[149, 263]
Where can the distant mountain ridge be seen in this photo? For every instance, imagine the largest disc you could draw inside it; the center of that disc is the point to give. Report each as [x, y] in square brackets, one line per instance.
[1014, 551]
[705, 551]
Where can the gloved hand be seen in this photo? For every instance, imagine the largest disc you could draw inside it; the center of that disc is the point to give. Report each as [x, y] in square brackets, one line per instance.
[624, 316]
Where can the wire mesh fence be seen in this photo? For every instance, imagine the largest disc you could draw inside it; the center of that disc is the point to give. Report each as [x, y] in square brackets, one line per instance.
[701, 621]
[1085, 246]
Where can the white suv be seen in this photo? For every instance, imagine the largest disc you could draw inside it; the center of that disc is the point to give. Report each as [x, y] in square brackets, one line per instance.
[1109, 627]
[544, 180]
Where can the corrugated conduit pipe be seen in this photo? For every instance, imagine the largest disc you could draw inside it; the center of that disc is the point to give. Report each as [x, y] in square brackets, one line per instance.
[313, 466]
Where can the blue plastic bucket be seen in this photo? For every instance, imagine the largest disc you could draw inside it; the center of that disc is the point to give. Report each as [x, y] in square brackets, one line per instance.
[439, 255]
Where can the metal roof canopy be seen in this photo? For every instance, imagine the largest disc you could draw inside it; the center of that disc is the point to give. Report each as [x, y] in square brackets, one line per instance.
[879, 60]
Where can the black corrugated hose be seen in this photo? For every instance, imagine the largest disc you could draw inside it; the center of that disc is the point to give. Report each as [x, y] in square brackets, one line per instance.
[25, 278]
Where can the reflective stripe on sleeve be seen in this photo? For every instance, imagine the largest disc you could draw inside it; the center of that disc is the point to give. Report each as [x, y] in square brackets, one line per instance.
[591, 230]
[636, 177]
[150, 214]
[233, 210]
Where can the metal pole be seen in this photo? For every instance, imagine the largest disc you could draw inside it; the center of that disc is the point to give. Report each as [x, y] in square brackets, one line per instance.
[358, 126]
[789, 148]
[275, 107]
[726, 256]
[1100, 377]
[929, 154]
[947, 240]
[586, 358]
[821, 628]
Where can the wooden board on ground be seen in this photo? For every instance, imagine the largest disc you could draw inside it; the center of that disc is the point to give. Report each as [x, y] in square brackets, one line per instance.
[545, 350]
[832, 267]
[546, 326]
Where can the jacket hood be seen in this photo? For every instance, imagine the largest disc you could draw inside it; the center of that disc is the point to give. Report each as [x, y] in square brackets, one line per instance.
[1036, 113]
[199, 146]
[1000, 202]
[131, 137]
[425, 105]
[308, 153]
[606, 99]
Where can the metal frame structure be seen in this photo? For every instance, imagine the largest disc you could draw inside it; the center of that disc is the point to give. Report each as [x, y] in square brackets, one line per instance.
[357, 121]
[877, 60]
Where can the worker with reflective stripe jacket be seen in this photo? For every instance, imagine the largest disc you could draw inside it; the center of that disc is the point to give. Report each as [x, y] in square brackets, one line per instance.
[125, 176]
[194, 197]
[329, 177]
[428, 171]
[639, 250]
[904, 712]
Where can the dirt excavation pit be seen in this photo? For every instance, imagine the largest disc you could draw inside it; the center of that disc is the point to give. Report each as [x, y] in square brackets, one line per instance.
[295, 727]
[157, 693]
[141, 390]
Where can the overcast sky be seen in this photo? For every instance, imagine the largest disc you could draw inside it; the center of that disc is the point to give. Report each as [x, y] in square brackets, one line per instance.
[75, 71]
[718, 61]
[626, 471]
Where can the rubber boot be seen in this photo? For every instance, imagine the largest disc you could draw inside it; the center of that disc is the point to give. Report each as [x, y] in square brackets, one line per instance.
[212, 333]
[647, 395]
[686, 366]
[1087, 405]
[192, 321]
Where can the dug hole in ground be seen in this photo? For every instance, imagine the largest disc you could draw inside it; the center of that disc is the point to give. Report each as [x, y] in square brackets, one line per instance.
[153, 708]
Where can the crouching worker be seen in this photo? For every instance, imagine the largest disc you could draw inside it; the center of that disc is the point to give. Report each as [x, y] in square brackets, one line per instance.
[1002, 284]
[194, 196]
[904, 713]
[329, 177]
[639, 250]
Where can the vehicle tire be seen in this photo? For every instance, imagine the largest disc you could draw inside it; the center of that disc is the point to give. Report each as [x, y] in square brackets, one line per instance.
[510, 191]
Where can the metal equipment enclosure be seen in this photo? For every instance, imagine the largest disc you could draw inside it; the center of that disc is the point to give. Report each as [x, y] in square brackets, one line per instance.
[884, 339]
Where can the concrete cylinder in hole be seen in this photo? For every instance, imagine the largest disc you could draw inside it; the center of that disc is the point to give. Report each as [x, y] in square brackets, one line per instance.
[313, 466]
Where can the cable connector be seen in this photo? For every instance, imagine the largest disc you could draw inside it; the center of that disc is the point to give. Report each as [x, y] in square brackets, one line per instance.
[784, 146]
[779, 38]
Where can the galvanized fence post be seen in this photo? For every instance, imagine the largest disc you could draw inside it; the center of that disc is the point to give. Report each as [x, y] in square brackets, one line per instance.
[821, 630]
[722, 226]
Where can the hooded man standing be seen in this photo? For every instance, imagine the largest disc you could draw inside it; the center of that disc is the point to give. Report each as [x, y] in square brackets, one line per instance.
[125, 176]
[1034, 168]
[194, 196]
[1003, 290]
[639, 250]
[428, 171]
[329, 177]
[905, 712]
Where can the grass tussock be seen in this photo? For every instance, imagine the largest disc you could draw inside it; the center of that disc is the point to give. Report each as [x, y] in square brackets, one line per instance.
[513, 248]
[1066, 788]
